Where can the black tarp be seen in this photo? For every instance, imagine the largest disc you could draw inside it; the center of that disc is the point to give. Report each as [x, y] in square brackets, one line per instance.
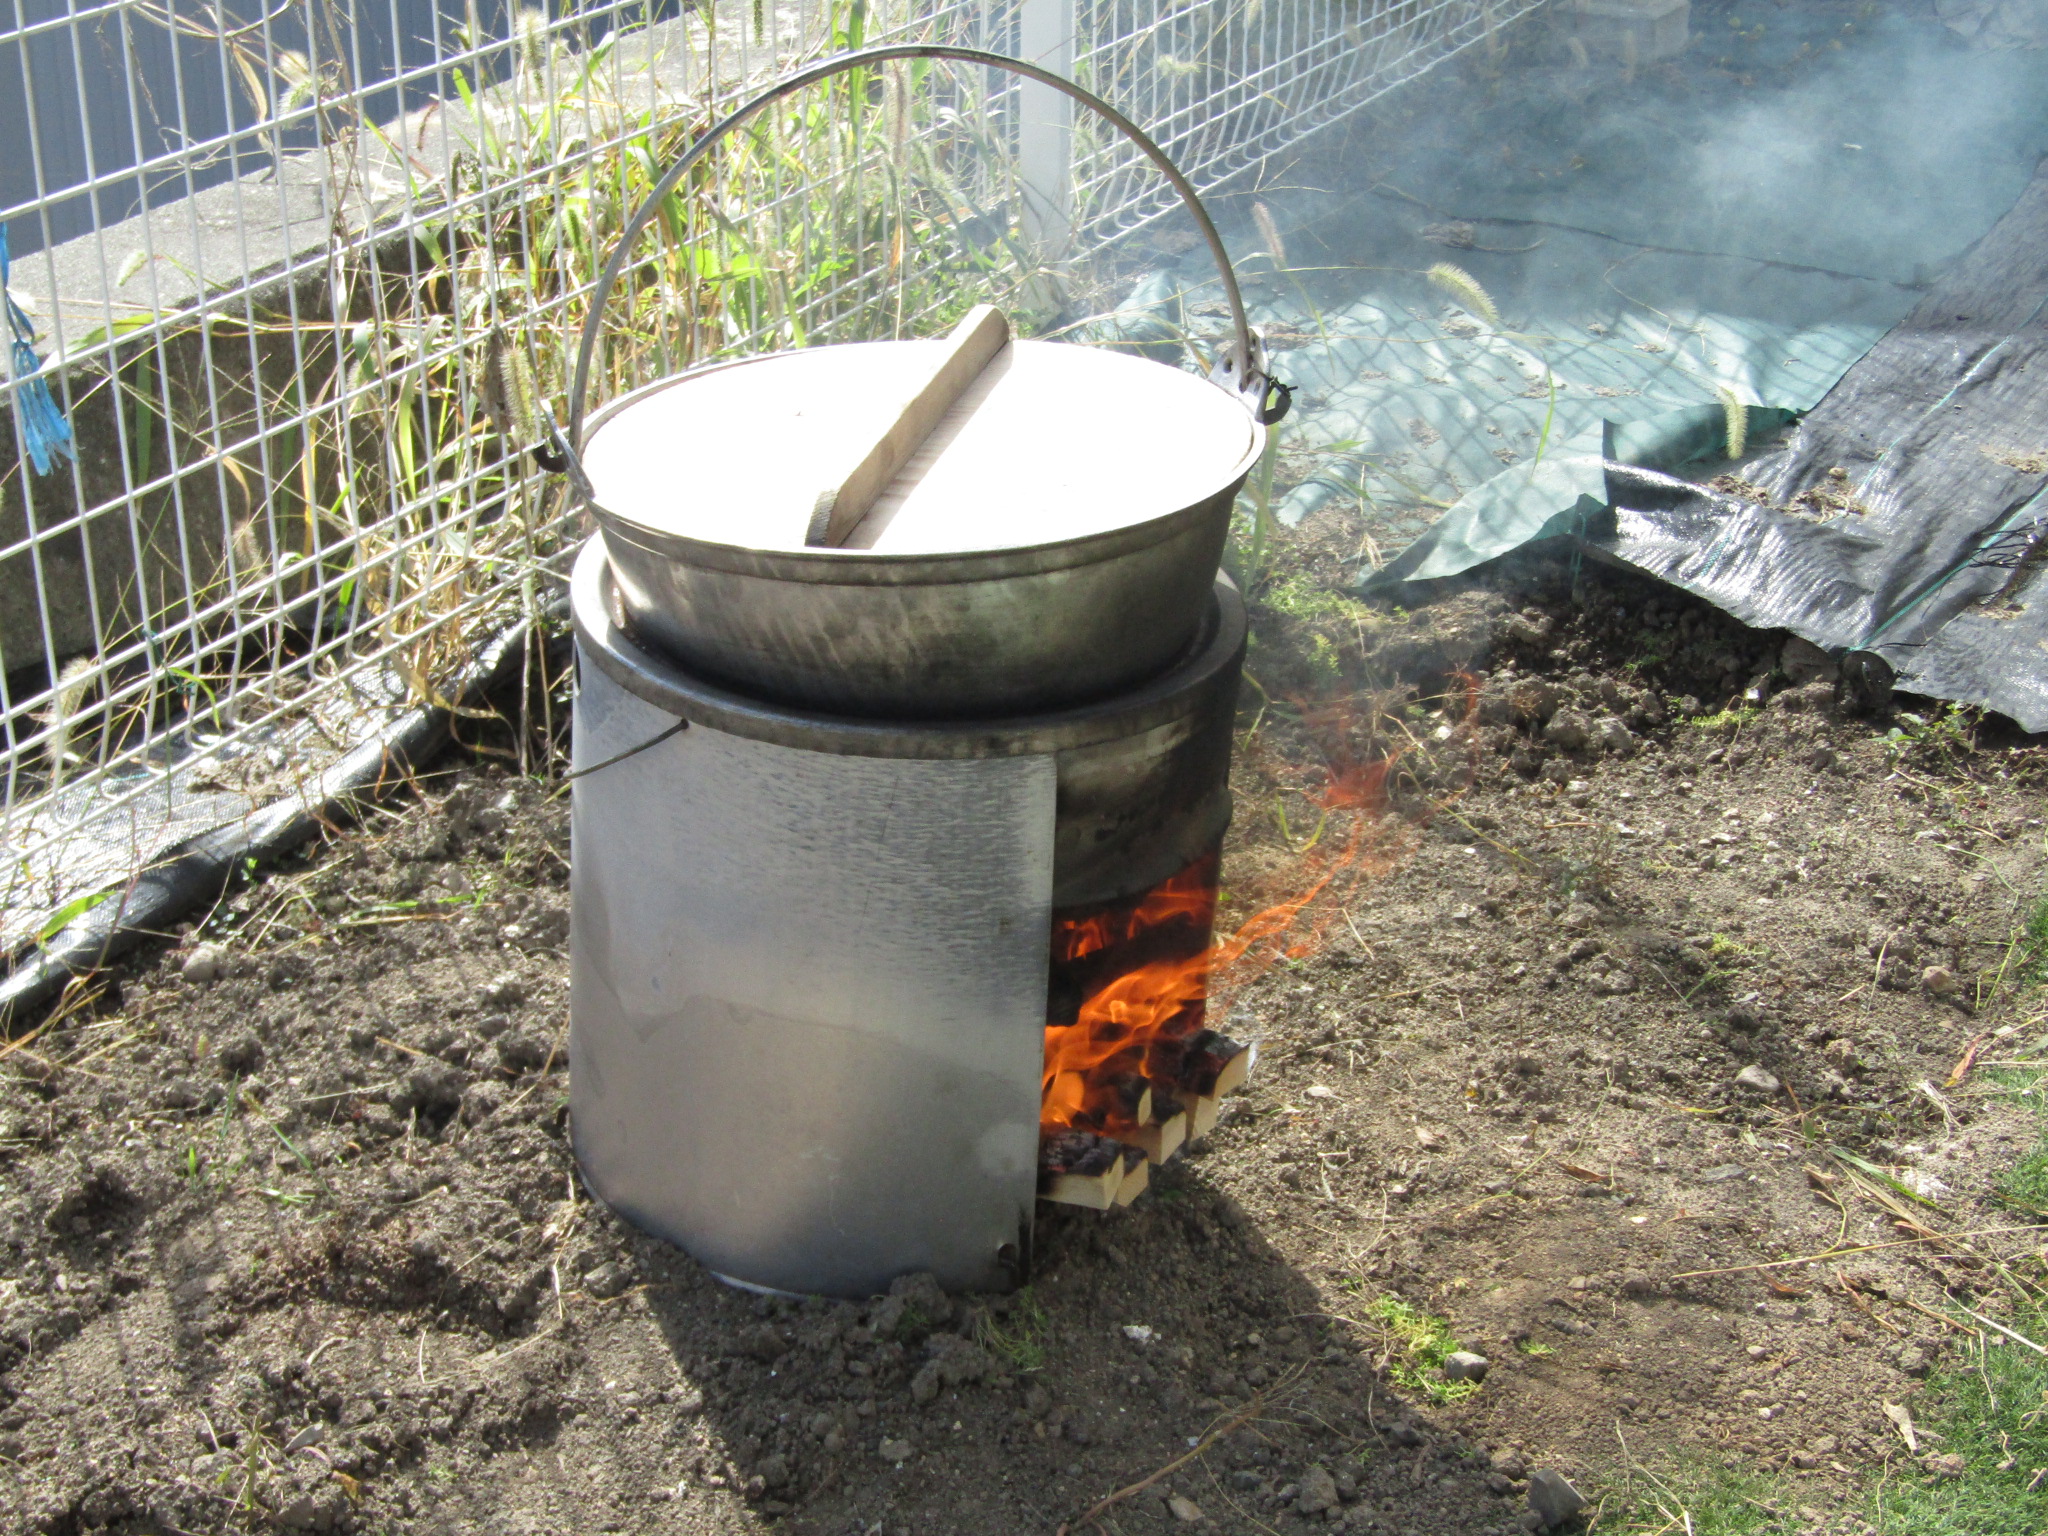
[1905, 517]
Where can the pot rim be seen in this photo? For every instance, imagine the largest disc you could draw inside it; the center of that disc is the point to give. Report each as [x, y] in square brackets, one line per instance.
[1172, 695]
[866, 567]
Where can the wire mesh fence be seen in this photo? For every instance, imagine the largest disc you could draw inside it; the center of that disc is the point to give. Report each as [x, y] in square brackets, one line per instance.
[1225, 87]
[293, 292]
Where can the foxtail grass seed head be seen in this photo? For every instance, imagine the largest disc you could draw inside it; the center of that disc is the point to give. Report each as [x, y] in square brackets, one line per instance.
[72, 684]
[1464, 288]
[1270, 233]
[246, 553]
[511, 395]
[532, 27]
[899, 110]
[1737, 415]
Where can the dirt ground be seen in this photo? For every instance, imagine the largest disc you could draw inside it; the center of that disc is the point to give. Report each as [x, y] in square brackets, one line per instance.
[292, 1238]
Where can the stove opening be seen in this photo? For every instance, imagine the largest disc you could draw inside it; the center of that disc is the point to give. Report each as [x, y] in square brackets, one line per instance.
[1131, 1068]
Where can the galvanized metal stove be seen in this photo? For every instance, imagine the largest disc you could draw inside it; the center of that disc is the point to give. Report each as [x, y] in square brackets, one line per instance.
[811, 953]
[902, 747]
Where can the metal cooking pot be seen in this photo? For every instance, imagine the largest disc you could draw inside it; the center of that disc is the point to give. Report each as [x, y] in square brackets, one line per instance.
[931, 632]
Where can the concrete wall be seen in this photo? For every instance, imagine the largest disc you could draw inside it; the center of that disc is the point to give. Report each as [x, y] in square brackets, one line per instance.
[261, 240]
[106, 96]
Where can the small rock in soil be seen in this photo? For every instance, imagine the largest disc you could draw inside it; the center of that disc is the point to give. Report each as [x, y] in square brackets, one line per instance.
[240, 1054]
[1756, 1079]
[894, 1450]
[915, 1304]
[1804, 662]
[1553, 1499]
[205, 965]
[1568, 729]
[519, 1051]
[764, 1343]
[504, 992]
[1947, 1464]
[430, 1087]
[607, 1281]
[1940, 981]
[1463, 1365]
[1185, 1510]
[1318, 1492]
[1925, 1184]
[1616, 738]
[179, 1093]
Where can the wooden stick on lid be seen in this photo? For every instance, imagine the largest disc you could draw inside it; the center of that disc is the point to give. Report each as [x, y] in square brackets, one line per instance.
[972, 347]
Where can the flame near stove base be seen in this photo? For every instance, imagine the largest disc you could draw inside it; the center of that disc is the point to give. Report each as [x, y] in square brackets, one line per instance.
[1143, 973]
[1142, 970]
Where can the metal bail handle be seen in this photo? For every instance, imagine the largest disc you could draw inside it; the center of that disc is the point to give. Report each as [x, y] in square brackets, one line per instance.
[1243, 371]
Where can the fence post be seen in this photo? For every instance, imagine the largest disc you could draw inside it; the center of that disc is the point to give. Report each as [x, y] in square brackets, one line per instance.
[1045, 126]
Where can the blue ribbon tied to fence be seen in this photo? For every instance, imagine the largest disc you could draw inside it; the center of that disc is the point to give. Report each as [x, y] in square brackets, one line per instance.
[43, 427]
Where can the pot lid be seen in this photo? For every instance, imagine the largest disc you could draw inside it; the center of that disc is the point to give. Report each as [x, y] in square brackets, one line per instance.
[1051, 442]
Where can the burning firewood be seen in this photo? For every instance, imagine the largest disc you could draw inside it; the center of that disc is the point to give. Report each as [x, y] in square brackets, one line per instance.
[1080, 1168]
[1134, 1097]
[1169, 1128]
[1226, 1065]
[1214, 1065]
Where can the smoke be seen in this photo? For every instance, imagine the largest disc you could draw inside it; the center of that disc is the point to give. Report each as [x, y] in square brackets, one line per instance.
[1796, 162]
[1888, 156]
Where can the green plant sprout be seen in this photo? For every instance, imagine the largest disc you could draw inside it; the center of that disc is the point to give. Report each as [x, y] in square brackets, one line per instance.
[1420, 1344]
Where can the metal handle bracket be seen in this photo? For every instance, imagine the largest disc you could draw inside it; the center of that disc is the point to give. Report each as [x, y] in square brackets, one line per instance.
[1252, 382]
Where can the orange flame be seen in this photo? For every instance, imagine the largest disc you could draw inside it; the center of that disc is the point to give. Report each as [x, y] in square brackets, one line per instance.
[1144, 970]
[1147, 969]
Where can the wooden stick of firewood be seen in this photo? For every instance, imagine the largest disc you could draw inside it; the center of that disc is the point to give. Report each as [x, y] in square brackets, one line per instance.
[1236, 1071]
[1095, 1191]
[1137, 1175]
[1161, 1139]
[1096, 1175]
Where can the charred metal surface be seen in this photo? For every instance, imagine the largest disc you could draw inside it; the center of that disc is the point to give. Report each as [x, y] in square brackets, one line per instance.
[1133, 811]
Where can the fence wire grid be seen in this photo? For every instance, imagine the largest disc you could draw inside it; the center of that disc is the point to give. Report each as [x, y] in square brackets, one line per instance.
[293, 288]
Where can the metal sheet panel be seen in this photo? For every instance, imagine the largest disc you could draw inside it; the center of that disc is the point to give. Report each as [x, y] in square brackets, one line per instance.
[808, 1000]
